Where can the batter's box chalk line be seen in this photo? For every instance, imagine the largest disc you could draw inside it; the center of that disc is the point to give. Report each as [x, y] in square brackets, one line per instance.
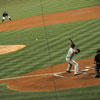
[83, 71]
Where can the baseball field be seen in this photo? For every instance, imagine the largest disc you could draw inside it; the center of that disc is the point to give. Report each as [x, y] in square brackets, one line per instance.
[33, 47]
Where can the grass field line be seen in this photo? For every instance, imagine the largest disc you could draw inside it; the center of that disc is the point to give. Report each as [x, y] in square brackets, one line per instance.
[58, 74]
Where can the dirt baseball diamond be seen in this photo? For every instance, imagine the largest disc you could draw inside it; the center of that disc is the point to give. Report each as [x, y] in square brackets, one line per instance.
[44, 79]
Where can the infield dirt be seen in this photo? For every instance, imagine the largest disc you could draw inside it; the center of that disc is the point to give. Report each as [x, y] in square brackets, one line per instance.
[42, 80]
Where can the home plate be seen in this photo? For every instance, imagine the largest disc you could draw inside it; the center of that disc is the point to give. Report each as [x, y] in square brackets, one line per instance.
[88, 67]
[84, 70]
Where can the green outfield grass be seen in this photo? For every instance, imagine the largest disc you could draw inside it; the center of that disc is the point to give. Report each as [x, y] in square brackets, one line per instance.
[50, 48]
[26, 8]
[86, 93]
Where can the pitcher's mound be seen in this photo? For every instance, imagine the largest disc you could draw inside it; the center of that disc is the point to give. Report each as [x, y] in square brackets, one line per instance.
[10, 48]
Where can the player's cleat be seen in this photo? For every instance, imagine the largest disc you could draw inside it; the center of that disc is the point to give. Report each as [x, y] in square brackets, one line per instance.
[10, 19]
[76, 74]
[68, 71]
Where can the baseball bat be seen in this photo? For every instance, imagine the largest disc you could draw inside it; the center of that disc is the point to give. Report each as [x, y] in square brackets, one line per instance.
[71, 41]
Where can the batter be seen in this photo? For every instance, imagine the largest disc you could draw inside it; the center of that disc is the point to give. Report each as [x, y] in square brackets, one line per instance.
[70, 61]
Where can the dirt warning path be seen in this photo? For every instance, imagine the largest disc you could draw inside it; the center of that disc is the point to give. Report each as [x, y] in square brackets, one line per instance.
[53, 18]
[43, 79]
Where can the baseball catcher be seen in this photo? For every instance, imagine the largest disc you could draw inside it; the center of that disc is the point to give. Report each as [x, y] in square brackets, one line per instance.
[5, 15]
[69, 59]
[97, 64]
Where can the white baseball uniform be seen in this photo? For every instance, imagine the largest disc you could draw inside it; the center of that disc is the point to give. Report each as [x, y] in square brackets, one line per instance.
[71, 62]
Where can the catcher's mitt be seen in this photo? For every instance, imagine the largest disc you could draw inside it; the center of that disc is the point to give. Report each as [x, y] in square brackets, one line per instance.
[78, 51]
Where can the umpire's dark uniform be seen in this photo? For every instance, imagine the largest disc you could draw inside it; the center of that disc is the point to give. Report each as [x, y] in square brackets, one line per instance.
[97, 62]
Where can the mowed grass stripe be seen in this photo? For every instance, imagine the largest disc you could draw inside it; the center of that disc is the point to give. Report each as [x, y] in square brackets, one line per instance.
[36, 54]
[19, 61]
[77, 33]
[30, 59]
[71, 33]
[88, 42]
[69, 4]
[79, 38]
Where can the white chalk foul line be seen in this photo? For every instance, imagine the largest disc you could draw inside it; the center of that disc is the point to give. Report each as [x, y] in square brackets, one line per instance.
[47, 74]
[57, 75]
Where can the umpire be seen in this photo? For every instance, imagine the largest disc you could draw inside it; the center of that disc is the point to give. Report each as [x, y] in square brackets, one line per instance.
[97, 62]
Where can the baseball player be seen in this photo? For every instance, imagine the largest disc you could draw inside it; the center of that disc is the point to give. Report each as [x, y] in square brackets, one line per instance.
[70, 61]
[5, 15]
[97, 62]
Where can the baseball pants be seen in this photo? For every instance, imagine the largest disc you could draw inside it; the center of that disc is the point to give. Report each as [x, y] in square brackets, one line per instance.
[72, 63]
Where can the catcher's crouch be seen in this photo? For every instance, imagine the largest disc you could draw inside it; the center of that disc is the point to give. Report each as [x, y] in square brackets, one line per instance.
[70, 61]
